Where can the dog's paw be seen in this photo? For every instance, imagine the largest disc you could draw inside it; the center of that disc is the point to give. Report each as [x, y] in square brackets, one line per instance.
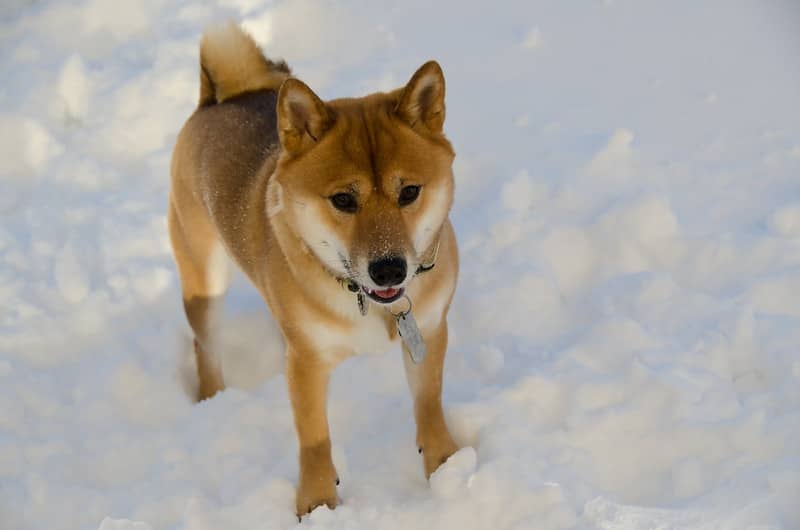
[314, 492]
[318, 480]
[209, 378]
[207, 391]
[436, 451]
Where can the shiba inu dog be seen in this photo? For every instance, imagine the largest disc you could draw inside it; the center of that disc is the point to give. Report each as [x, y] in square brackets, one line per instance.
[337, 212]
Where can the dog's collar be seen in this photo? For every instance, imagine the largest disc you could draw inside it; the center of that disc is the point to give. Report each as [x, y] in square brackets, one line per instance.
[425, 267]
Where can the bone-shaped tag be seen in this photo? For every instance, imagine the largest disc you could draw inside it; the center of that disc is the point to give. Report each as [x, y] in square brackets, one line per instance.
[412, 339]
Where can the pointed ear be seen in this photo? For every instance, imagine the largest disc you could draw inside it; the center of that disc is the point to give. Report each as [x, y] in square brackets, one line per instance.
[422, 100]
[302, 117]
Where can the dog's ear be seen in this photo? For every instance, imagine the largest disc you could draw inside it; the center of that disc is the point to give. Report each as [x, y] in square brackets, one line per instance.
[421, 102]
[302, 117]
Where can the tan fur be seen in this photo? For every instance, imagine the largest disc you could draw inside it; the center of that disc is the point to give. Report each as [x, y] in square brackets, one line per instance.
[253, 170]
[231, 63]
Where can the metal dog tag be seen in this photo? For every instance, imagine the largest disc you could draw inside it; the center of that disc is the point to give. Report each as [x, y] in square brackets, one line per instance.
[411, 337]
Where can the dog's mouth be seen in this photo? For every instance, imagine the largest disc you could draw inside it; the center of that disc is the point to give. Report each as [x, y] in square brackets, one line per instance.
[384, 296]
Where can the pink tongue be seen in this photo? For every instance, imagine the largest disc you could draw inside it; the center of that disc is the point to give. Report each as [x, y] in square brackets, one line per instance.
[386, 293]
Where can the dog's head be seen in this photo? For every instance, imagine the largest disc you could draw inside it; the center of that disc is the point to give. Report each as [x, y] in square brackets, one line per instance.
[366, 183]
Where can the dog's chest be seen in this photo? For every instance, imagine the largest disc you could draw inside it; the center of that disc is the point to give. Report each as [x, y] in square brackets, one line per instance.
[371, 333]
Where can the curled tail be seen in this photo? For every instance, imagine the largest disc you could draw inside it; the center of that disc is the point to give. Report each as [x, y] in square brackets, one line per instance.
[231, 63]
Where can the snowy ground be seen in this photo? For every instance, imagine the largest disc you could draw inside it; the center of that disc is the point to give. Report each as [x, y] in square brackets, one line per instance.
[626, 333]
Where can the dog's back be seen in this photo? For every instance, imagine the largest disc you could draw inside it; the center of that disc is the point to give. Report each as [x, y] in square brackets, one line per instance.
[222, 156]
[220, 167]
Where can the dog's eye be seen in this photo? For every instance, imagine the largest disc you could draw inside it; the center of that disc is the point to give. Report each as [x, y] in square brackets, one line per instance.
[408, 195]
[345, 202]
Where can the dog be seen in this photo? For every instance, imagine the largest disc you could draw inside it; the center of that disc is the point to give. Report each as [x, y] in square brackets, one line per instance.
[337, 212]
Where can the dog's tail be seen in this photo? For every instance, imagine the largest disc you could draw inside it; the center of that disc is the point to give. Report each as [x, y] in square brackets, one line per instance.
[231, 63]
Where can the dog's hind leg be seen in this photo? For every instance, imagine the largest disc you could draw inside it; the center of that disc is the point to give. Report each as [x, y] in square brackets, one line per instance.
[204, 272]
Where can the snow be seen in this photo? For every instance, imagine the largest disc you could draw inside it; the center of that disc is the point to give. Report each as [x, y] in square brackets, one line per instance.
[625, 339]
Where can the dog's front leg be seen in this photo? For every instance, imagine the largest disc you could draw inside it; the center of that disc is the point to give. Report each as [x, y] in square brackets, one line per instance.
[308, 390]
[425, 381]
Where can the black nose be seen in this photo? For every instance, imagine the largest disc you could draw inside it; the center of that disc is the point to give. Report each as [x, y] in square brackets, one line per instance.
[388, 271]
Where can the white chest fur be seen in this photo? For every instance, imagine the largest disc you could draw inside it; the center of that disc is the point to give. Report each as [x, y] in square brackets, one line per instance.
[368, 334]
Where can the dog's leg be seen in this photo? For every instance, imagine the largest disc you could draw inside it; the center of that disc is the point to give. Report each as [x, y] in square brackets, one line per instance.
[203, 284]
[425, 381]
[308, 389]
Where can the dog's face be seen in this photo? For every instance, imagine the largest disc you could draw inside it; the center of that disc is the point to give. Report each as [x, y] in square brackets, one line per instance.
[366, 183]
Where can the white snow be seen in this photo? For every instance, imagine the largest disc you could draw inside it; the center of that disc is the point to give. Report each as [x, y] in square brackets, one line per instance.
[74, 89]
[533, 39]
[625, 339]
[123, 524]
[70, 275]
[615, 159]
